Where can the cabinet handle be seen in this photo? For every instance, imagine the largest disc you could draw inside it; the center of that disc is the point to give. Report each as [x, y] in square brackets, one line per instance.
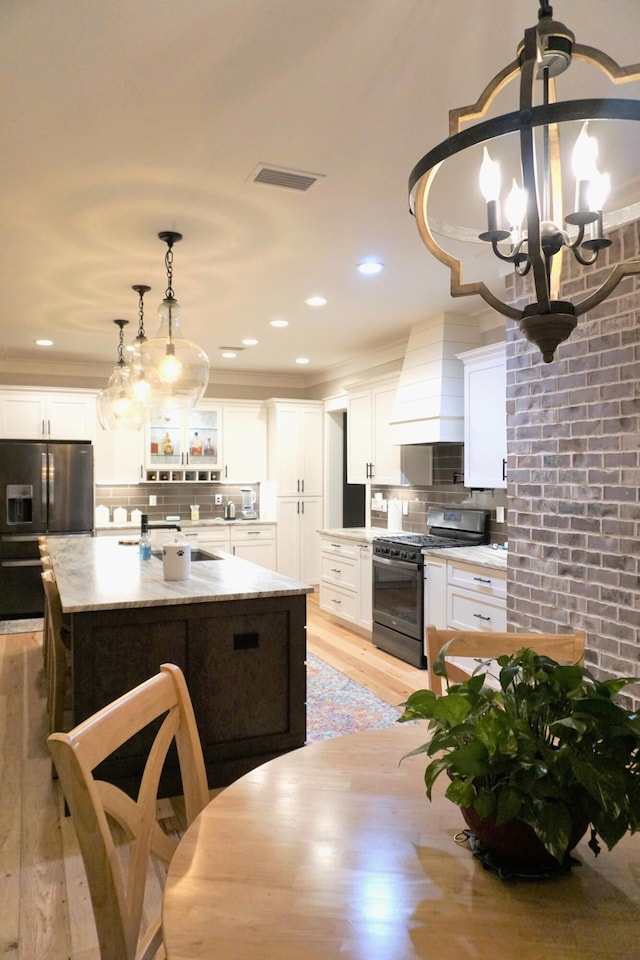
[338, 546]
[372, 471]
[253, 533]
[482, 580]
[298, 505]
[302, 511]
[337, 602]
[48, 428]
[297, 486]
[336, 570]
[504, 468]
[43, 433]
[479, 616]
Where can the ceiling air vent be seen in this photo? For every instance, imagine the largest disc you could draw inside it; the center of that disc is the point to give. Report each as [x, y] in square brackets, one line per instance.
[281, 177]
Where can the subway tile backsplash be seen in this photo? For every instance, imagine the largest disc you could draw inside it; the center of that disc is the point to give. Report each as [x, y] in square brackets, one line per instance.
[173, 499]
[447, 489]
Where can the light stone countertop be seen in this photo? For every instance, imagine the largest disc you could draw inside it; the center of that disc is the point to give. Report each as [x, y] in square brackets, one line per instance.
[98, 573]
[367, 534]
[483, 556]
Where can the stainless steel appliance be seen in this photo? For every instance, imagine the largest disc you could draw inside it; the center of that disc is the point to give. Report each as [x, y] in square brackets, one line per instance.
[398, 585]
[45, 488]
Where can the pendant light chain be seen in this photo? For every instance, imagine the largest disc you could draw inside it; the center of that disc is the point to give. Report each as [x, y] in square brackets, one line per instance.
[168, 262]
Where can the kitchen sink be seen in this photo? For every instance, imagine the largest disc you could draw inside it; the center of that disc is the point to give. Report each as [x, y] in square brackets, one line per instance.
[195, 555]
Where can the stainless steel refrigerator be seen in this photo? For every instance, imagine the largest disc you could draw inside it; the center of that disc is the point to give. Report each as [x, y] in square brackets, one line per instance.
[45, 488]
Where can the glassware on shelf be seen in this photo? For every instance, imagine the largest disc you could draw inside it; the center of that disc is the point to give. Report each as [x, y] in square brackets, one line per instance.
[167, 445]
[196, 446]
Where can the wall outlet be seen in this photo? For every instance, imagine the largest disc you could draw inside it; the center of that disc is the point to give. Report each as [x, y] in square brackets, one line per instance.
[499, 514]
[152, 500]
[218, 499]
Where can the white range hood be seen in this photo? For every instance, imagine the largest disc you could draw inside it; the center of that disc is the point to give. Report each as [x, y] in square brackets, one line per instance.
[429, 404]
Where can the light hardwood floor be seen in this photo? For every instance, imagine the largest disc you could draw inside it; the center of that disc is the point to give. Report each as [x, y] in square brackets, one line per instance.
[45, 911]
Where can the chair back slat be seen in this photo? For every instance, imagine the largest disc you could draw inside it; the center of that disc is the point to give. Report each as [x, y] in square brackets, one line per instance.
[118, 888]
[564, 647]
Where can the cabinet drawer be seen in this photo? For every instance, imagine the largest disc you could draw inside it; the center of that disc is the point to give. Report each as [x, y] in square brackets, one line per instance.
[253, 532]
[340, 548]
[339, 570]
[206, 535]
[467, 610]
[339, 602]
[482, 580]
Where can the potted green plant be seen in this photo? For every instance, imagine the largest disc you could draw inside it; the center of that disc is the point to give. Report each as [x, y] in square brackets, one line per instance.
[546, 751]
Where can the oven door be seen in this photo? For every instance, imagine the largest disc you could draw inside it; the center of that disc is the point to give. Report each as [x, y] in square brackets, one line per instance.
[398, 596]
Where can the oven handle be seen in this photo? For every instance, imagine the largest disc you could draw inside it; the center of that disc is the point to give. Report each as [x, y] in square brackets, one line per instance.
[397, 563]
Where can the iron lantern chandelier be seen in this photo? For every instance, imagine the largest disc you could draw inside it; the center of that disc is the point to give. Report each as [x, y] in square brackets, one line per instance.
[533, 237]
[169, 370]
[118, 407]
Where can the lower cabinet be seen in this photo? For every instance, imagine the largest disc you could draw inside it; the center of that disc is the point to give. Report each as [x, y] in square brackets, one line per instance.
[345, 580]
[256, 543]
[298, 522]
[476, 598]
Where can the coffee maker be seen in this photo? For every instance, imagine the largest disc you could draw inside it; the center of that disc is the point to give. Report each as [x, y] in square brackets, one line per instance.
[248, 500]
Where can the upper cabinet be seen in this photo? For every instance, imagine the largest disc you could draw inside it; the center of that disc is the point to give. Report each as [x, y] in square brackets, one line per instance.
[485, 417]
[51, 415]
[118, 456]
[185, 444]
[295, 455]
[371, 457]
[244, 432]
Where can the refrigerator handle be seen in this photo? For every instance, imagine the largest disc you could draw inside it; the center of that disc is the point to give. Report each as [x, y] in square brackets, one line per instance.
[43, 482]
[52, 479]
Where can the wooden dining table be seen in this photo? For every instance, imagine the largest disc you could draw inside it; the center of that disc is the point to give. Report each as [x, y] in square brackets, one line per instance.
[333, 851]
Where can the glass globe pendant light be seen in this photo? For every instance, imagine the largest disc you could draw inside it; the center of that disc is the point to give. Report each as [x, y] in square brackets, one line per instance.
[118, 407]
[176, 369]
[139, 381]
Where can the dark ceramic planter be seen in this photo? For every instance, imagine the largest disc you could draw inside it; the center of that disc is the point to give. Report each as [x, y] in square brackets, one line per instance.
[516, 842]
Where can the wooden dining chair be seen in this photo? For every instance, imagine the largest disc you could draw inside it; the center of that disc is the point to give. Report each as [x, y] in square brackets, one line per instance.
[57, 655]
[485, 645]
[117, 883]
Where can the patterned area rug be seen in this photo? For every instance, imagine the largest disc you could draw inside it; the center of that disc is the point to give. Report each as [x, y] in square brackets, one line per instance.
[337, 705]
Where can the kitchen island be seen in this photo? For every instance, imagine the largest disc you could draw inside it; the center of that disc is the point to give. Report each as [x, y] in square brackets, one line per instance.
[237, 630]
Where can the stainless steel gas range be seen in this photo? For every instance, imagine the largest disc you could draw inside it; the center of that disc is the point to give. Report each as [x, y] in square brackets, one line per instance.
[398, 584]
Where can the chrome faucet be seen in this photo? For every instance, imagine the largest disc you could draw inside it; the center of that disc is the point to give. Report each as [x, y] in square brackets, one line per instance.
[145, 526]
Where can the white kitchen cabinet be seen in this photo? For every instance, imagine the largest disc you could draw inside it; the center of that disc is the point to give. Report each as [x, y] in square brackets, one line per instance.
[485, 417]
[435, 592]
[345, 584]
[298, 542]
[295, 447]
[244, 435]
[118, 456]
[365, 586]
[476, 597]
[52, 415]
[256, 542]
[371, 457]
[185, 445]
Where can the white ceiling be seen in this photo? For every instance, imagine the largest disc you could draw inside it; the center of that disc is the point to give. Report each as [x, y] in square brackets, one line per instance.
[121, 118]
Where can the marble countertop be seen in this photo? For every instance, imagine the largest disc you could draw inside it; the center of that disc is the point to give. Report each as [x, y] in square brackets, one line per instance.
[98, 573]
[483, 556]
[367, 534]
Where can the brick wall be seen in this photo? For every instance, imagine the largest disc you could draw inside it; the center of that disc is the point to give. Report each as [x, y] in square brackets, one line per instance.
[573, 436]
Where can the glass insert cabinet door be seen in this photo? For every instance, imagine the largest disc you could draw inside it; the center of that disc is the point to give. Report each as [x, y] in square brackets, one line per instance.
[185, 438]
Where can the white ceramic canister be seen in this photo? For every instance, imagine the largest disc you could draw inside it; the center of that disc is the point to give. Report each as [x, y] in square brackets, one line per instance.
[176, 561]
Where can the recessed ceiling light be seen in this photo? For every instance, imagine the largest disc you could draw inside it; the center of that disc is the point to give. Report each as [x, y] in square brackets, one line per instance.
[229, 354]
[370, 267]
[316, 301]
[279, 323]
[44, 343]
[250, 342]
[302, 360]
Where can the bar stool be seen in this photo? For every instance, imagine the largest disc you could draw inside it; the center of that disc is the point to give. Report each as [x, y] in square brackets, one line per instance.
[57, 655]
